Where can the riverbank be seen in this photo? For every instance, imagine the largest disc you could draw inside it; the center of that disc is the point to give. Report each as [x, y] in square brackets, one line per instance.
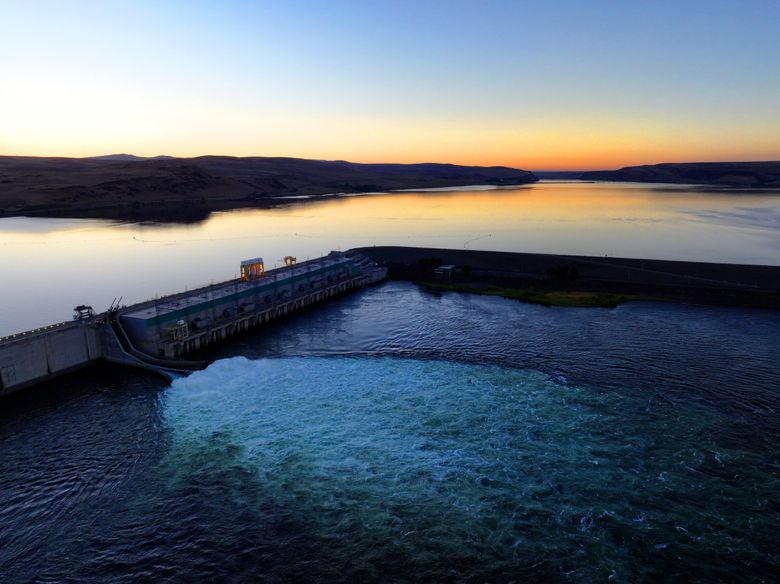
[185, 190]
[727, 175]
[567, 280]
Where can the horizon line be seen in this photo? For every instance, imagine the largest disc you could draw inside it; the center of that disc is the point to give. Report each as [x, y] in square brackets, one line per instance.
[528, 169]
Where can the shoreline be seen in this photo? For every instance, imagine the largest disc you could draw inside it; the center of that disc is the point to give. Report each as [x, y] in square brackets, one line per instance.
[748, 174]
[188, 189]
[197, 211]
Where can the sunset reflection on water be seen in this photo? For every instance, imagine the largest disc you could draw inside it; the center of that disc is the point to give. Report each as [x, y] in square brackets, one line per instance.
[55, 264]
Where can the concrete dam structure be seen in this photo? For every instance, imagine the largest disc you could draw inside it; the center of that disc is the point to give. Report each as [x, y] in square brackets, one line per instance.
[154, 335]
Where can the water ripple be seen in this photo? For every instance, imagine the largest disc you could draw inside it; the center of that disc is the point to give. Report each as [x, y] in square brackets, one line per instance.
[413, 436]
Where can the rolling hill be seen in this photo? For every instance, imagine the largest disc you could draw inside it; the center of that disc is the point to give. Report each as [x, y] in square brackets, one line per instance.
[185, 189]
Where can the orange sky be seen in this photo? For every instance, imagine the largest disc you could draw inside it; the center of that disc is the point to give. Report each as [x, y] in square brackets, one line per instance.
[541, 86]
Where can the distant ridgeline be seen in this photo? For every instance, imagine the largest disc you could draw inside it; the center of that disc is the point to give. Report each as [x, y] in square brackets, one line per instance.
[164, 188]
[738, 174]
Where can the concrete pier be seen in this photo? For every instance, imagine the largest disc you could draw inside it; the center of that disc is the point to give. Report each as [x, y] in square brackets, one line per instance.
[30, 357]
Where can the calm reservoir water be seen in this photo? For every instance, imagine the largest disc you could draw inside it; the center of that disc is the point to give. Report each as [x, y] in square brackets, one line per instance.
[400, 435]
[396, 434]
[48, 266]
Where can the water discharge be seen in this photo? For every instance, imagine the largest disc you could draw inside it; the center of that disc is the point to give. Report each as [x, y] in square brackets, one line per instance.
[447, 470]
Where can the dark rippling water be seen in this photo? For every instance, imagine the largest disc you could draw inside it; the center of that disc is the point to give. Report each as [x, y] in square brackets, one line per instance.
[399, 435]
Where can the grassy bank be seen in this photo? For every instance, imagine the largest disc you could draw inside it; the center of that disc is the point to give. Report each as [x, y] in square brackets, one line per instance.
[545, 298]
[565, 280]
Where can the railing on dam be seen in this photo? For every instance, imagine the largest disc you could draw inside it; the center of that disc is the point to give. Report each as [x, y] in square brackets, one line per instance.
[38, 331]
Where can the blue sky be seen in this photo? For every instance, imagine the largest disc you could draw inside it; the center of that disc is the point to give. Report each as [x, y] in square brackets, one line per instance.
[533, 84]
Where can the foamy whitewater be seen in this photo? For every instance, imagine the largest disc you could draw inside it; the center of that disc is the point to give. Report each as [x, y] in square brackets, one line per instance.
[456, 470]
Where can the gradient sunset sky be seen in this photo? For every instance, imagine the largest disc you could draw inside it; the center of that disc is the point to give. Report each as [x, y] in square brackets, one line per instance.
[537, 85]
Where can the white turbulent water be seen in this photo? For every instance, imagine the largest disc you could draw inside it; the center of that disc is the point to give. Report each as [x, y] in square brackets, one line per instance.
[460, 470]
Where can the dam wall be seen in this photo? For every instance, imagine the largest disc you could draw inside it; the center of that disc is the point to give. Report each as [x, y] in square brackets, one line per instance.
[35, 356]
[155, 334]
[174, 326]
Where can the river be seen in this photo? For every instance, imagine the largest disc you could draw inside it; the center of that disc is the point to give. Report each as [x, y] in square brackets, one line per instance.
[51, 265]
[398, 434]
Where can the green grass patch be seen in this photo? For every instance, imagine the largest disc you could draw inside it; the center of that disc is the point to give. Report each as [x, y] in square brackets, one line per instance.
[545, 298]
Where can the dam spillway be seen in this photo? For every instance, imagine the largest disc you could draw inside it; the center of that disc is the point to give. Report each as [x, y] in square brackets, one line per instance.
[156, 334]
[176, 325]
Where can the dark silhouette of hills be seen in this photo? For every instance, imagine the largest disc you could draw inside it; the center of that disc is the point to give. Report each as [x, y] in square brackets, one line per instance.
[124, 186]
[735, 174]
[127, 157]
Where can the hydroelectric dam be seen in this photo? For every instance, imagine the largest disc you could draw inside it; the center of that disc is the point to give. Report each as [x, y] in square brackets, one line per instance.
[156, 335]
[159, 335]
